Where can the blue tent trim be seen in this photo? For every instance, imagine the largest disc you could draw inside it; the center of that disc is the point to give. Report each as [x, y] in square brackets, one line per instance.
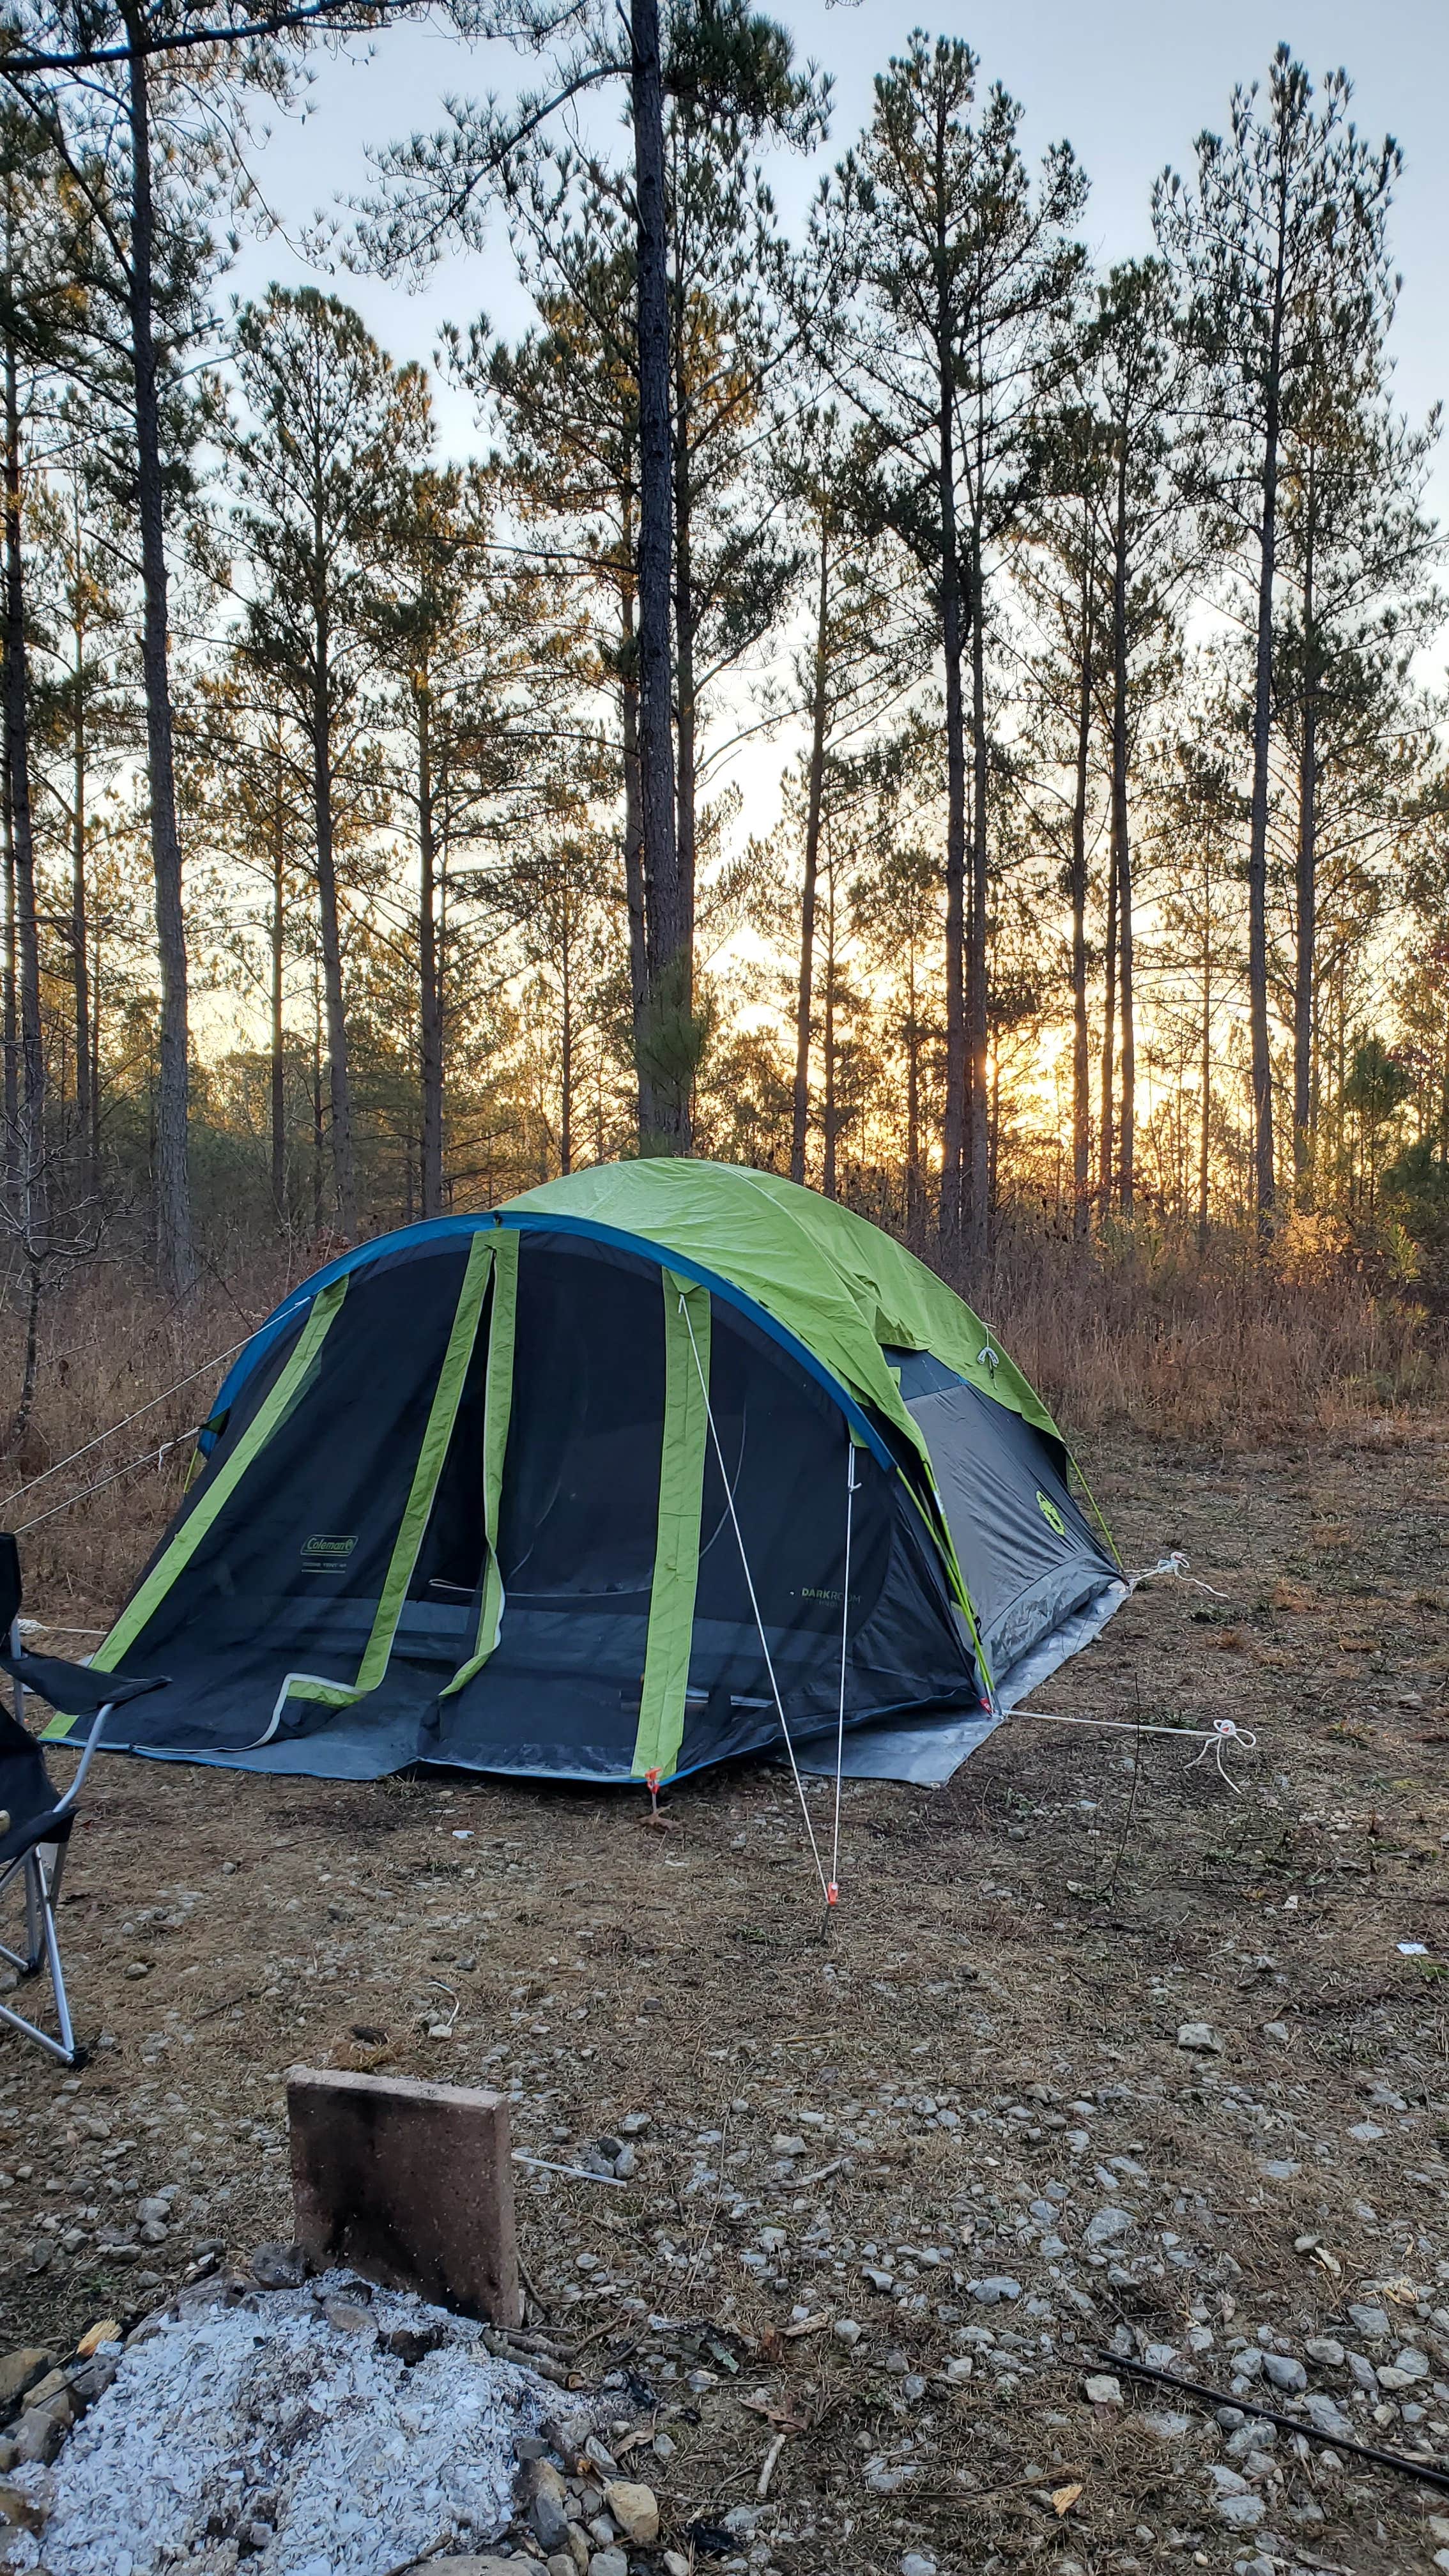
[443, 1229]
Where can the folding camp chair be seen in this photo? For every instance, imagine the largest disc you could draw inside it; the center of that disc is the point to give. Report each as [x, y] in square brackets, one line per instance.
[35, 1824]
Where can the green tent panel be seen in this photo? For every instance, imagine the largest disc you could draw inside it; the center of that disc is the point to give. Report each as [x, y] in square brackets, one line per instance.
[559, 1489]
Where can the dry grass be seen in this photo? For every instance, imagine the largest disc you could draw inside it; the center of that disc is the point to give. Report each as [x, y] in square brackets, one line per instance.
[110, 1348]
[1140, 1332]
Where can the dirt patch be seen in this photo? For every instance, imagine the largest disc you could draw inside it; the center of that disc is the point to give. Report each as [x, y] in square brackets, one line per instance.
[960, 2121]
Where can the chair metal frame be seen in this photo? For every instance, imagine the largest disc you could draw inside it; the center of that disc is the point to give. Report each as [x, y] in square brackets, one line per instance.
[43, 1867]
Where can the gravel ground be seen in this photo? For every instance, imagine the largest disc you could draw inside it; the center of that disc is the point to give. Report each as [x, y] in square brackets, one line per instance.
[1100, 2056]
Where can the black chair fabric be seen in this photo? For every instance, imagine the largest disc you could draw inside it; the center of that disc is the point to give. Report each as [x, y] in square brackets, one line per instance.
[74, 1687]
[27, 1794]
[9, 1581]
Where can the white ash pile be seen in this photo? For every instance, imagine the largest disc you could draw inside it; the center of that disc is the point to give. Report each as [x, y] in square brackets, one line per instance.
[321, 2429]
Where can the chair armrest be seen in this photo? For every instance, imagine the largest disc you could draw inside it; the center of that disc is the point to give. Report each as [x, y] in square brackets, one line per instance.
[77, 1689]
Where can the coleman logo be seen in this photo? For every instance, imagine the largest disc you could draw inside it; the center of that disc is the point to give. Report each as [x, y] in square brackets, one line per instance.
[1050, 1514]
[322, 1550]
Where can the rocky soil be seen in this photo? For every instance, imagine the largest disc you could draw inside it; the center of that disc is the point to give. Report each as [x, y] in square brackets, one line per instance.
[1102, 2061]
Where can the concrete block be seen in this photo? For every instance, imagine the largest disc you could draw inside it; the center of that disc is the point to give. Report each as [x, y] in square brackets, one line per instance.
[410, 2184]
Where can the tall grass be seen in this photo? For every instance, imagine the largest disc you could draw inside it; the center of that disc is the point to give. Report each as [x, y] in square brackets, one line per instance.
[109, 1348]
[1230, 1346]
[1135, 1331]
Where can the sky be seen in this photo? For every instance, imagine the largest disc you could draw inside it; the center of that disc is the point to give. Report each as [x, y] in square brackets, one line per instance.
[1128, 82]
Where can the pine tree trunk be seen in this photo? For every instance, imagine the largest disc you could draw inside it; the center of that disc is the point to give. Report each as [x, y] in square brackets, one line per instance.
[430, 1030]
[1444, 1093]
[97, 989]
[913, 1103]
[827, 1178]
[1306, 890]
[670, 963]
[175, 1258]
[31, 1156]
[319, 1151]
[978, 1175]
[686, 722]
[12, 1022]
[634, 833]
[34, 1282]
[1081, 1067]
[79, 928]
[814, 802]
[1206, 1069]
[1262, 1067]
[344, 1171]
[955, 1152]
[279, 908]
[566, 1045]
[1121, 845]
[1106, 1136]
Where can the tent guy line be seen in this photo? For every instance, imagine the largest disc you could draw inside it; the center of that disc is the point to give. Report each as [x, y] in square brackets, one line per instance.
[827, 1887]
[1223, 1732]
[217, 1361]
[833, 1891]
[147, 1458]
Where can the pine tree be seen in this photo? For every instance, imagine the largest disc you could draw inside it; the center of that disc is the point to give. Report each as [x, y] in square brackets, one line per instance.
[564, 405]
[1067, 596]
[963, 268]
[477, 650]
[1279, 253]
[82, 709]
[864, 651]
[142, 155]
[1135, 375]
[41, 310]
[1357, 556]
[331, 427]
[731, 71]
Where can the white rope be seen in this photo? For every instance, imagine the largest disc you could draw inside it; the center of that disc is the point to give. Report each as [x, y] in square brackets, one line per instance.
[101, 1482]
[754, 1604]
[1176, 1564]
[126, 1418]
[833, 1890]
[1223, 1732]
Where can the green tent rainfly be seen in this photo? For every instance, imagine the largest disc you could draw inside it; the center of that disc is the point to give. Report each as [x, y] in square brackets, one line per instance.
[627, 1476]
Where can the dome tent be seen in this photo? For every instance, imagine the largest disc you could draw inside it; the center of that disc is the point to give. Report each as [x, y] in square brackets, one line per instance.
[603, 1485]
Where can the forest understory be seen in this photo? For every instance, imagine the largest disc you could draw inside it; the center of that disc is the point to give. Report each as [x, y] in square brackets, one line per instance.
[963, 2121]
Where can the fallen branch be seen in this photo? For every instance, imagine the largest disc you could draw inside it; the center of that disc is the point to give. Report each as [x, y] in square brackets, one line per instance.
[1425, 2471]
[542, 2304]
[503, 2349]
[576, 2173]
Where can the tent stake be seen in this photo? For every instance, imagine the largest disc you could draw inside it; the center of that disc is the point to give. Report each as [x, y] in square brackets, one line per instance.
[651, 1783]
